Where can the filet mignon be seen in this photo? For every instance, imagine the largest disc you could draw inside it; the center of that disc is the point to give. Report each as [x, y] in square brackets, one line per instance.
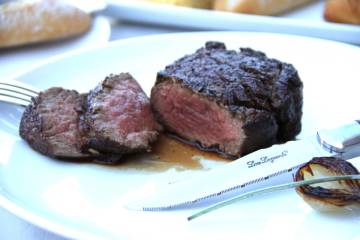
[118, 117]
[50, 124]
[228, 101]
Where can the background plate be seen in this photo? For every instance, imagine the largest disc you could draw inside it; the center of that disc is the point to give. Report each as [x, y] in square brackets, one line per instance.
[307, 21]
[86, 200]
[24, 57]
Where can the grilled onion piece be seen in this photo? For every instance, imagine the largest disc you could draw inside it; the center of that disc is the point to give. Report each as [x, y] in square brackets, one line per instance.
[328, 196]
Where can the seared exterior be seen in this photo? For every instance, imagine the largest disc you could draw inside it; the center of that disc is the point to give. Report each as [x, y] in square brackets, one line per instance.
[256, 100]
[50, 124]
[118, 117]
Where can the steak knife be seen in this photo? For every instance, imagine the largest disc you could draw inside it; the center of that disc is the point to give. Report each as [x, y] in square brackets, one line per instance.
[262, 168]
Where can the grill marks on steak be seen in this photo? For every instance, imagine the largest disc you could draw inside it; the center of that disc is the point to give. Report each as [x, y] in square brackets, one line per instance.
[50, 124]
[113, 119]
[118, 117]
[233, 101]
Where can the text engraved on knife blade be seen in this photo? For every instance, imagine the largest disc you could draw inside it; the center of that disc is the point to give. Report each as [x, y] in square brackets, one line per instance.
[266, 159]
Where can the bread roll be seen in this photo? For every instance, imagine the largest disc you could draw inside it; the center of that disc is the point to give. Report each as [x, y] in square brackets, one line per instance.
[188, 3]
[25, 22]
[259, 7]
[342, 11]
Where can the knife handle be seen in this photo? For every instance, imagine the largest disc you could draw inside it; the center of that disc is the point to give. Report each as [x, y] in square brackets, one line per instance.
[341, 140]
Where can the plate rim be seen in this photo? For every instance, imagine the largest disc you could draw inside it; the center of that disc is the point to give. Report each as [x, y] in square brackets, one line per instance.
[48, 50]
[155, 36]
[43, 223]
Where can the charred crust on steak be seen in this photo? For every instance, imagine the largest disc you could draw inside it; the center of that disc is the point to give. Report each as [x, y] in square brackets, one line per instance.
[118, 119]
[31, 129]
[265, 93]
[71, 126]
[41, 128]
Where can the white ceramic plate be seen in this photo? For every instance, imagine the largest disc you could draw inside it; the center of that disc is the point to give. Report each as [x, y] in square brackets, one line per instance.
[307, 21]
[14, 59]
[86, 200]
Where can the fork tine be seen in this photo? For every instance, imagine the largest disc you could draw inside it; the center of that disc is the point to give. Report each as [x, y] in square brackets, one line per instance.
[14, 99]
[9, 95]
[20, 86]
[4, 90]
[16, 92]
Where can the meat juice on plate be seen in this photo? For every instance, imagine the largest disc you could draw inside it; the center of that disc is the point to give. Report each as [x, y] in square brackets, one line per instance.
[167, 153]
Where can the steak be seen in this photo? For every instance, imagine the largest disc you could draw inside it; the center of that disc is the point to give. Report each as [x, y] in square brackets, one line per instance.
[228, 101]
[113, 119]
[118, 117]
[50, 124]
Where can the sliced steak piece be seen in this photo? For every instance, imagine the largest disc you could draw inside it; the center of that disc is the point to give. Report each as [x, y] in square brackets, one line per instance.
[50, 124]
[227, 101]
[118, 117]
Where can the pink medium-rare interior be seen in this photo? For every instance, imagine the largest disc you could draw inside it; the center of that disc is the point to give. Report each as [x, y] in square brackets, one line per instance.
[62, 129]
[126, 114]
[197, 119]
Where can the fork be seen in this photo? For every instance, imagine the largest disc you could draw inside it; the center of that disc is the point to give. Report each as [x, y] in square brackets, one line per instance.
[15, 92]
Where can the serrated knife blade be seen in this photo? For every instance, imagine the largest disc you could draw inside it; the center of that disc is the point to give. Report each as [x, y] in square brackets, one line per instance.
[262, 168]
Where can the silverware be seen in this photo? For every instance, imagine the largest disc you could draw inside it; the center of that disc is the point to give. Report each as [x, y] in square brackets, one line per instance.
[12, 91]
[262, 168]
[273, 189]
